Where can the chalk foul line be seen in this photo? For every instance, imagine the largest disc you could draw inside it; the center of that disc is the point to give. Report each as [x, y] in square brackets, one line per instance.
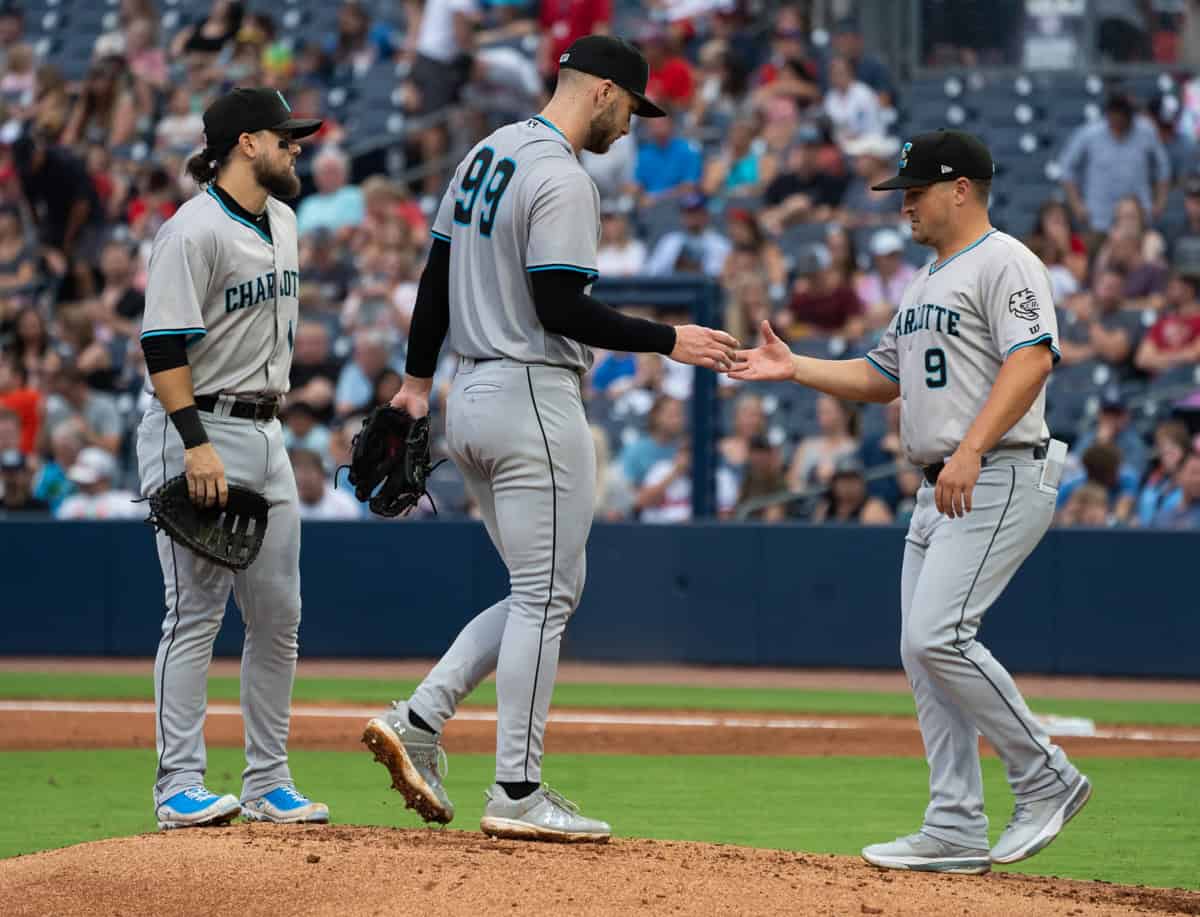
[1054, 725]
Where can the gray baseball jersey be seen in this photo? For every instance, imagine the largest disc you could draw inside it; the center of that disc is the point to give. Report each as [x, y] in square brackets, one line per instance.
[234, 292]
[956, 324]
[519, 202]
[515, 425]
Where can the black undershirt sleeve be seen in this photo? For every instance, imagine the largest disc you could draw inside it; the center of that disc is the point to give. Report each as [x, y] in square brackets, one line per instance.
[164, 351]
[431, 313]
[563, 308]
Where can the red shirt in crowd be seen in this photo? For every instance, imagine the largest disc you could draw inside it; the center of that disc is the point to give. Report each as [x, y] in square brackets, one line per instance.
[828, 310]
[26, 404]
[1175, 332]
[564, 21]
[672, 82]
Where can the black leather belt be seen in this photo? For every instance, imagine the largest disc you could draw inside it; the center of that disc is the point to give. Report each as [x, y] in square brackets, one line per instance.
[262, 409]
[931, 472]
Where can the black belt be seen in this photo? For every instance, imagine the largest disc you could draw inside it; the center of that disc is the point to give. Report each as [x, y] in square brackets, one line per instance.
[931, 472]
[263, 409]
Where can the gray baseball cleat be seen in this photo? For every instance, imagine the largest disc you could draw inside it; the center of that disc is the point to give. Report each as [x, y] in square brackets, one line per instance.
[543, 815]
[922, 853]
[1035, 824]
[415, 759]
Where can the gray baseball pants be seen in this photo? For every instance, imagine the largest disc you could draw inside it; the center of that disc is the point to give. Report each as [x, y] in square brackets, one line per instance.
[954, 569]
[267, 592]
[518, 434]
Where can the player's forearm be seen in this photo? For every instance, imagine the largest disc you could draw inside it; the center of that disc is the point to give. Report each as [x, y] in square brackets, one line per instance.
[1016, 388]
[850, 380]
[563, 308]
[431, 313]
[173, 387]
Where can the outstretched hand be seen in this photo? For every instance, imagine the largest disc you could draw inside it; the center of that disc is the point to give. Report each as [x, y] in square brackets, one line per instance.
[702, 346]
[770, 361]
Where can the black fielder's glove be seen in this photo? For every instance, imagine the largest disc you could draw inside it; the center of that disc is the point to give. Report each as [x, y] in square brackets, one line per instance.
[389, 461]
[228, 535]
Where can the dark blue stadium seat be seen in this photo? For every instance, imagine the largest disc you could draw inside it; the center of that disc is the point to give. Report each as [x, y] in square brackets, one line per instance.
[658, 219]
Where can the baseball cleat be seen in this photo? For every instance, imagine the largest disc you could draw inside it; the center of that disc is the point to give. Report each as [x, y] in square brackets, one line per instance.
[1035, 824]
[922, 853]
[543, 815]
[196, 807]
[284, 805]
[415, 759]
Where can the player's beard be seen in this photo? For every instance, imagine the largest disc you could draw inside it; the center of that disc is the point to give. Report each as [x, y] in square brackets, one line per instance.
[603, 131]
[280, 181]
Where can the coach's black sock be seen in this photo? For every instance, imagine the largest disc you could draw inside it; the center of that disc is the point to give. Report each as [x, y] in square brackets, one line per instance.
[415, 720]
[518, 789]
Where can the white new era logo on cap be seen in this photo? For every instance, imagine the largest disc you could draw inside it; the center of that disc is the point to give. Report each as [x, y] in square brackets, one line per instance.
[564, 58]
[946, 170]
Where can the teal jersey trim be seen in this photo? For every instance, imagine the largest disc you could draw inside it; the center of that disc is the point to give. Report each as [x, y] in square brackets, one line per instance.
[233, 216]
[883, 371]
[979, 241]
[1046, 338]
[438, 235]
[191, 335]
[564, 267]
[551, 125]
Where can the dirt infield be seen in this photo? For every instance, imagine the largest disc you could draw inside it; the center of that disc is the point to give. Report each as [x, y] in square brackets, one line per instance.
[131, 725]
[354, 872]
[351, 871]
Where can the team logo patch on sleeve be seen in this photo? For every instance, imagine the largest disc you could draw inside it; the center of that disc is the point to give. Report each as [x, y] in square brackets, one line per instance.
[1024, 304]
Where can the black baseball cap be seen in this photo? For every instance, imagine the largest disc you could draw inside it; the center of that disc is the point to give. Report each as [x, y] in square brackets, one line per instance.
[615, 59]
[245, 111]
[941, 155]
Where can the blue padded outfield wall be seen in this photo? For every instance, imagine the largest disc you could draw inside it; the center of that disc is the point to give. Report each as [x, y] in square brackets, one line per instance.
[1087, 602]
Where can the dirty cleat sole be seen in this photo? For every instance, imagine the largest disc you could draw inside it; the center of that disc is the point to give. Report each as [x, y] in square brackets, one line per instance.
[389, 751]
[516, 830]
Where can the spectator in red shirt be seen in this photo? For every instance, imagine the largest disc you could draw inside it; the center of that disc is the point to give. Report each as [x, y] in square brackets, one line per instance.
[823, 298]
[1175, 338]
[564, 21]
[25, 402]
[671, 78]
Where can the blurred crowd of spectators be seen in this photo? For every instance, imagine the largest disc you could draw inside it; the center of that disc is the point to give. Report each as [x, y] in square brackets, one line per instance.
[759, 179]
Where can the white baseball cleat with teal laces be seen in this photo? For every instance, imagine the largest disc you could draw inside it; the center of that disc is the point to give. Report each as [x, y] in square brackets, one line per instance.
[285, 805]
[196, 807]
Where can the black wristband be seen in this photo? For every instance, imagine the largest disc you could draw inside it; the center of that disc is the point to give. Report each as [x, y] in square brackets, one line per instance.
[191, 430]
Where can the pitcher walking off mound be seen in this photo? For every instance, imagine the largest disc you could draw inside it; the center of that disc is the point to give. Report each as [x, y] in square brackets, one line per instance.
[968, 353]
[222, 303]
[513, 258]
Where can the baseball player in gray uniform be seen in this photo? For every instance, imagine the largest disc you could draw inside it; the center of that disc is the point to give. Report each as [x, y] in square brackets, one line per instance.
[508, 275]
[968, 353]
[221, 314]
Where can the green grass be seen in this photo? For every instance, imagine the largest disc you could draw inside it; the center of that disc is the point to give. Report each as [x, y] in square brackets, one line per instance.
[377, 691]
[1142, 826]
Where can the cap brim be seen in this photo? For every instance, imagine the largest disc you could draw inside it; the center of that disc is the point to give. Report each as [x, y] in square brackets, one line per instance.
[646, 108]
[899, 182]
[299, 127]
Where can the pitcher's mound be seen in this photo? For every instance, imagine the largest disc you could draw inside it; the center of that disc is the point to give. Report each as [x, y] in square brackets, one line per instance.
[350, 871]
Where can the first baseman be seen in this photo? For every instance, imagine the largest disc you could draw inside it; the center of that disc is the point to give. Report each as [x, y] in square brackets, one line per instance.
[968, 353]
[221, 314]
[508, 278]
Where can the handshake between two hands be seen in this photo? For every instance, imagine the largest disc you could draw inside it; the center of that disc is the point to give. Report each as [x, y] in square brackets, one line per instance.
[716, 350]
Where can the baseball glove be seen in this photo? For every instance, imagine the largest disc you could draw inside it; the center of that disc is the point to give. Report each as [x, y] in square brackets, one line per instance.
[230, 535]
[389, 461]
